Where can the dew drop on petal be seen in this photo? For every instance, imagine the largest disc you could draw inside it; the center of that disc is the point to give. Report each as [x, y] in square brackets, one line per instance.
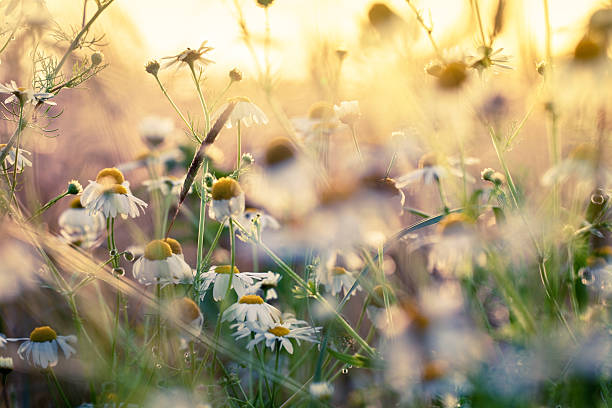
[344, 371]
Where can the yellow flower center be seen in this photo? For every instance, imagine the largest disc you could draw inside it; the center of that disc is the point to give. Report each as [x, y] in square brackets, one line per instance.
[321, 111]
[240, 99]
[42, 334]
[76, 203]
[377, 298]
[587, 49]
[157, 250]
[226, 188]
[584, 151]
[186, 309]
[338, 270]
[279, 151]
[279, 331]
[251, 300]
[453, 75]
[428, 160]
[226, 269]
[604, 251]
[433, 370]
[116, 189]
[174, 245]
[110, 176]
[453, 224]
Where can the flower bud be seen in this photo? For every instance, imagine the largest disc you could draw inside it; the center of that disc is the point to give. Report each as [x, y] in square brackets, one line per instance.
[235, 75]
[97, 58]
[152, 67]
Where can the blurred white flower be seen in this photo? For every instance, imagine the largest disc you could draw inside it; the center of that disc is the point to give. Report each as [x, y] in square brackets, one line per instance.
[280, 334]
[154, 130]
[333, 273]
[188, 313]
[268, 285]
[348, 112]
[167, 185]
[79, 227]
[9, 160]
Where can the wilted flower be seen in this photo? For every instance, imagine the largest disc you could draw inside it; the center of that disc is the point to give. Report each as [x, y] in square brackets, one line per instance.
[41, 349]
[245, 112]
[189, 57]
[110, 194]
[162, 263]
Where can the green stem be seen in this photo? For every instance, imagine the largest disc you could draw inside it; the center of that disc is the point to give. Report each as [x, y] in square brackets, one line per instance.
[201, 96]
[59, 387]
[201, 227]
[177, 110]
[48, 205]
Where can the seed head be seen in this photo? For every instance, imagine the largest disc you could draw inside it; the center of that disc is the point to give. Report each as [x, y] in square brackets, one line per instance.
[174, 245]
[235, 75]
[97, 58]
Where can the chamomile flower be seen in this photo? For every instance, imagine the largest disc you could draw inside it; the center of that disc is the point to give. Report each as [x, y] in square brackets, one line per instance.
[162, 263]
[167, 185]
[268, 285]
[255, 221]
[110, 194]
[17, 94]
[285, 182]
[430, 169]
[281, 334]
[245, 112]
[321, 121]
[333, 273]
[227, 199]
[79, 227]
[252, 308]
[154, 130]
[189, 57]
[41, 349]
[188, 313]
[9, 160]
[582, 163]
[348, 112]
[219, 277]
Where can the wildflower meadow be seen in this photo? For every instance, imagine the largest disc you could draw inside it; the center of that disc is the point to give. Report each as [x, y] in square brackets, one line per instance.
[292, 203]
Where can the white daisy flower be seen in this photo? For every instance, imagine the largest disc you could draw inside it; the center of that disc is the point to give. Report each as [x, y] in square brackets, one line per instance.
[285, 184]
[281, 334]
[582, 164]
[154, 130]
[162, 263]
[41, 349]
[227, 199]
[252, 308]
[79, 227]
[321, 121]
[333, 273]
[429, 170]
[187, 312]
[245, 112]
[110, 194]
[454, 246]
[17, 94]
[219, 277]
[268, 285]
[348, 112]
[9, 160]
